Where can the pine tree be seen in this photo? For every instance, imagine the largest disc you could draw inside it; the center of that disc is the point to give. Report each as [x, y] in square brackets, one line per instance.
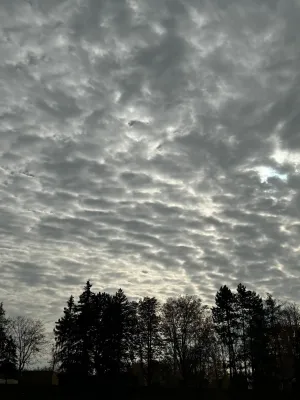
[8, 356]
[289, 331]
[243, 297]
[149, 335]
[256, 338]
[124, 322]
[273, 313]
[85, 317]
[65, 333]
[226, 323]
[102, 334]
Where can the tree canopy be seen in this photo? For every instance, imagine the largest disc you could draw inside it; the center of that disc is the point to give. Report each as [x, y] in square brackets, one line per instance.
[244, 339]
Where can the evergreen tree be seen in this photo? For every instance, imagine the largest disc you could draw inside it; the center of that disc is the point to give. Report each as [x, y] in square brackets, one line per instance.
[102, 334]
[273, 364]
[8, 356]
[289, 337]
[110, 336]
[85, 317]
[65, 334]
[123, 332]
[226, 323]
[149, 335]
[249, 308]
[256, 338]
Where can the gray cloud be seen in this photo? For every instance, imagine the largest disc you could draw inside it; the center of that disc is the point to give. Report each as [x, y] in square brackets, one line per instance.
[148, 145]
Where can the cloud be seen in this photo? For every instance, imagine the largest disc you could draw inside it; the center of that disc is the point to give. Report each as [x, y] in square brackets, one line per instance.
[148, 145]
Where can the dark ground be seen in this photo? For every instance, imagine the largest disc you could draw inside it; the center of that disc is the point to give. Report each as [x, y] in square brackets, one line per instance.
[15, 392]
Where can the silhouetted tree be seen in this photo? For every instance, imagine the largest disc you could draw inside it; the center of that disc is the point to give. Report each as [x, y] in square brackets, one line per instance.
[149, 335]
[181, 341]
[8, 356]
[206, 354]
[123, 332]
[273, 361]
[256, 337]
[102, 334]
[29, 337]
[85, 321]
[226, 323]
[182, 320]
[65, 334]
[53, 363]
[289, 337]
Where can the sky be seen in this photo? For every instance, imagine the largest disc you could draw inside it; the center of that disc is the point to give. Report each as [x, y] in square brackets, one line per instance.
[151, 145]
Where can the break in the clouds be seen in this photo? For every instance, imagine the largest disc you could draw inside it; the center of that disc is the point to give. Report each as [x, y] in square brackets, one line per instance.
[149, 145]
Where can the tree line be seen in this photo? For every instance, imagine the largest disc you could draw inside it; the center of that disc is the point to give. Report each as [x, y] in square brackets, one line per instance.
[243, 341]
[243, 338]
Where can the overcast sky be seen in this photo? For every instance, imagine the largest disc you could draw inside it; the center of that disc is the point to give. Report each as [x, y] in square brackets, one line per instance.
[151, 145]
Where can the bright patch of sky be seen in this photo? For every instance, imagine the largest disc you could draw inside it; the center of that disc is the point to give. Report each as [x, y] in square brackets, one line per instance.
[267, 172]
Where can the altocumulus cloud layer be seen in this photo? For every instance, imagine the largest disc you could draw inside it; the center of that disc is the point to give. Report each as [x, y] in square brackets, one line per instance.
[152, 145]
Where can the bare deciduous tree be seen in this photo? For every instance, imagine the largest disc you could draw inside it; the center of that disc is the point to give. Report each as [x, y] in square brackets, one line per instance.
[29, 337]
[182, 320]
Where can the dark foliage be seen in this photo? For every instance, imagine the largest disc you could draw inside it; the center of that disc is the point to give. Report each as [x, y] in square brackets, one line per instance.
[7, 349]
[106, 340]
